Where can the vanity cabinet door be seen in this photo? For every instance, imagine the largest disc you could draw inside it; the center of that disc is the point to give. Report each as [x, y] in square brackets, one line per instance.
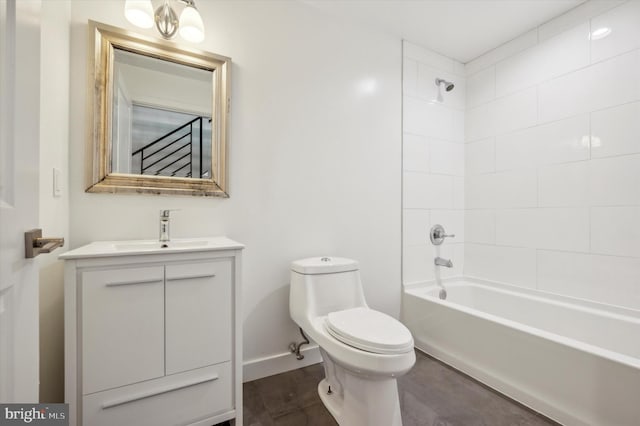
[122, 327]
[198, 314]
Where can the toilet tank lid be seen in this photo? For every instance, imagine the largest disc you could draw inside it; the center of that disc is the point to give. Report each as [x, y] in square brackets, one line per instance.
[323, 265]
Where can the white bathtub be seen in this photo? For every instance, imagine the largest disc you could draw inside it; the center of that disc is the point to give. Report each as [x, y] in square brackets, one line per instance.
[575, 361]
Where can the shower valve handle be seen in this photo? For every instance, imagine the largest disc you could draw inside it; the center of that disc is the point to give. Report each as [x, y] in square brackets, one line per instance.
[437, 235]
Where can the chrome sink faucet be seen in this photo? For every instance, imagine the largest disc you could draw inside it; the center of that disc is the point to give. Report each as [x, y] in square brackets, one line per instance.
[164, 226]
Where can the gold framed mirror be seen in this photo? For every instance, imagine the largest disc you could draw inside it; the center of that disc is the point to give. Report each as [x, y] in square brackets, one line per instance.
[159, 116]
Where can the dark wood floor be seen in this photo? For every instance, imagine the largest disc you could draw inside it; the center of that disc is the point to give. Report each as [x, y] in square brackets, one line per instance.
[431, 394]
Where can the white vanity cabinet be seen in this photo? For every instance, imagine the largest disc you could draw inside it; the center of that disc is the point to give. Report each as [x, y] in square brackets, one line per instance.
[153, 335]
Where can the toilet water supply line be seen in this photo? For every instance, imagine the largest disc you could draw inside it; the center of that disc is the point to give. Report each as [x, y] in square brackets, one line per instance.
[294, 347]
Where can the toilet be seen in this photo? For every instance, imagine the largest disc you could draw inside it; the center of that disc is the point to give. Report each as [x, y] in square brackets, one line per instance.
[364, 351]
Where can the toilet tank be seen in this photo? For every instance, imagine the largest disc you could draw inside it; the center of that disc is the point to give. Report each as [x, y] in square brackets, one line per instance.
[320, 285]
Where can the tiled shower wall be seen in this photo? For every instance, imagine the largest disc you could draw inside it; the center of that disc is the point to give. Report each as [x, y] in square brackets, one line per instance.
[550, 185]
[552, 161]
[433, 162]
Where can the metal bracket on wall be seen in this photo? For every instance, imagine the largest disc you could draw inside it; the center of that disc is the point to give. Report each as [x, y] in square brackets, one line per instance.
[34, 244]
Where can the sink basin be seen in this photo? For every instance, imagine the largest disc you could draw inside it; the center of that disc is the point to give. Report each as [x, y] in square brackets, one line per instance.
[148, 247]
[156, 245]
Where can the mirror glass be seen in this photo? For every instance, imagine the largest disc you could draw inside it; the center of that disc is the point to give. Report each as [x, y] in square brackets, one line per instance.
[159, 116]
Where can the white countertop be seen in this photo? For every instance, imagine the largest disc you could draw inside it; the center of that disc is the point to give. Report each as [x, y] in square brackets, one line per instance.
[136, 247]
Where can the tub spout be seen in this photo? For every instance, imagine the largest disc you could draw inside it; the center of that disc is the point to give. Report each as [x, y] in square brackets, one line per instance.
[443, 262]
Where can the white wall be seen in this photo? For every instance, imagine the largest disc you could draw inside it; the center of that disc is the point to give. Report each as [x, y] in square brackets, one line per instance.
[314, 155]
[54, 210]
[553, 159]
[433, 163]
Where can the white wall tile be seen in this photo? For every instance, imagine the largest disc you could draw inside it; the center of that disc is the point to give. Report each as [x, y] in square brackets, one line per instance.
[480, 122]
[458, 192]
[453, 223]
[517, 111]
[439, 156]
[515, 266]
[557, 142]
[416, 264]
[623, 21]
[515, 189]
[517, 150]
[563, 229]
[479, 191]
[481, 87]
[410, 77]
[563, 141]
[480, 156]
[517, 227]
[459, 69]
[602, 85]
[608, 279]
[566, 96]
[557, 228]
[559, 55]
[615, 81]
[614, 181]
[458, 126]
[458, 261]
[447, 157]
[480, 226]
[616, 131]
[616, 230]
[427, 57]
[425, 191]
[575, 16]
[415, 227]
[553, 157]
[415, 153]
[425, 118]
[426, 86]
[510, 48]
[564, 185]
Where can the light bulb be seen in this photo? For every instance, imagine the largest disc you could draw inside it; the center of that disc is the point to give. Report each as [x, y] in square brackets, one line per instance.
[139, 13]
[191, 26]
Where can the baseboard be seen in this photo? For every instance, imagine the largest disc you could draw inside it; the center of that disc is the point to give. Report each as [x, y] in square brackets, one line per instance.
[279, 363]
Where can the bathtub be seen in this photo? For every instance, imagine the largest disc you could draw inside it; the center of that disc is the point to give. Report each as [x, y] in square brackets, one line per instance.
[575, 361]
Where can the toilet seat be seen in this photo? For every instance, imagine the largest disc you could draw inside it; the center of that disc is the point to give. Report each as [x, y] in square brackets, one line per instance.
[369, 330]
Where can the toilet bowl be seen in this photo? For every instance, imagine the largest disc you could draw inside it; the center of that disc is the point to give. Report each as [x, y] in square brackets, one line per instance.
[363, 350]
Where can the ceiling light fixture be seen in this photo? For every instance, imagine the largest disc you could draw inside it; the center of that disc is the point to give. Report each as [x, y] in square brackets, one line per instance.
[140, 13]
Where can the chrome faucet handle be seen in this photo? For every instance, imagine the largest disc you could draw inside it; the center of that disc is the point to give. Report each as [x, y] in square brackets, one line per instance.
[437, 235]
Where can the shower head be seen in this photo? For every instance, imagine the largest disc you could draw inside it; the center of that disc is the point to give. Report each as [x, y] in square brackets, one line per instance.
[448, 86]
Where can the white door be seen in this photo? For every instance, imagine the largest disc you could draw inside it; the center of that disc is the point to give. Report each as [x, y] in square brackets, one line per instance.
[19, 177]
